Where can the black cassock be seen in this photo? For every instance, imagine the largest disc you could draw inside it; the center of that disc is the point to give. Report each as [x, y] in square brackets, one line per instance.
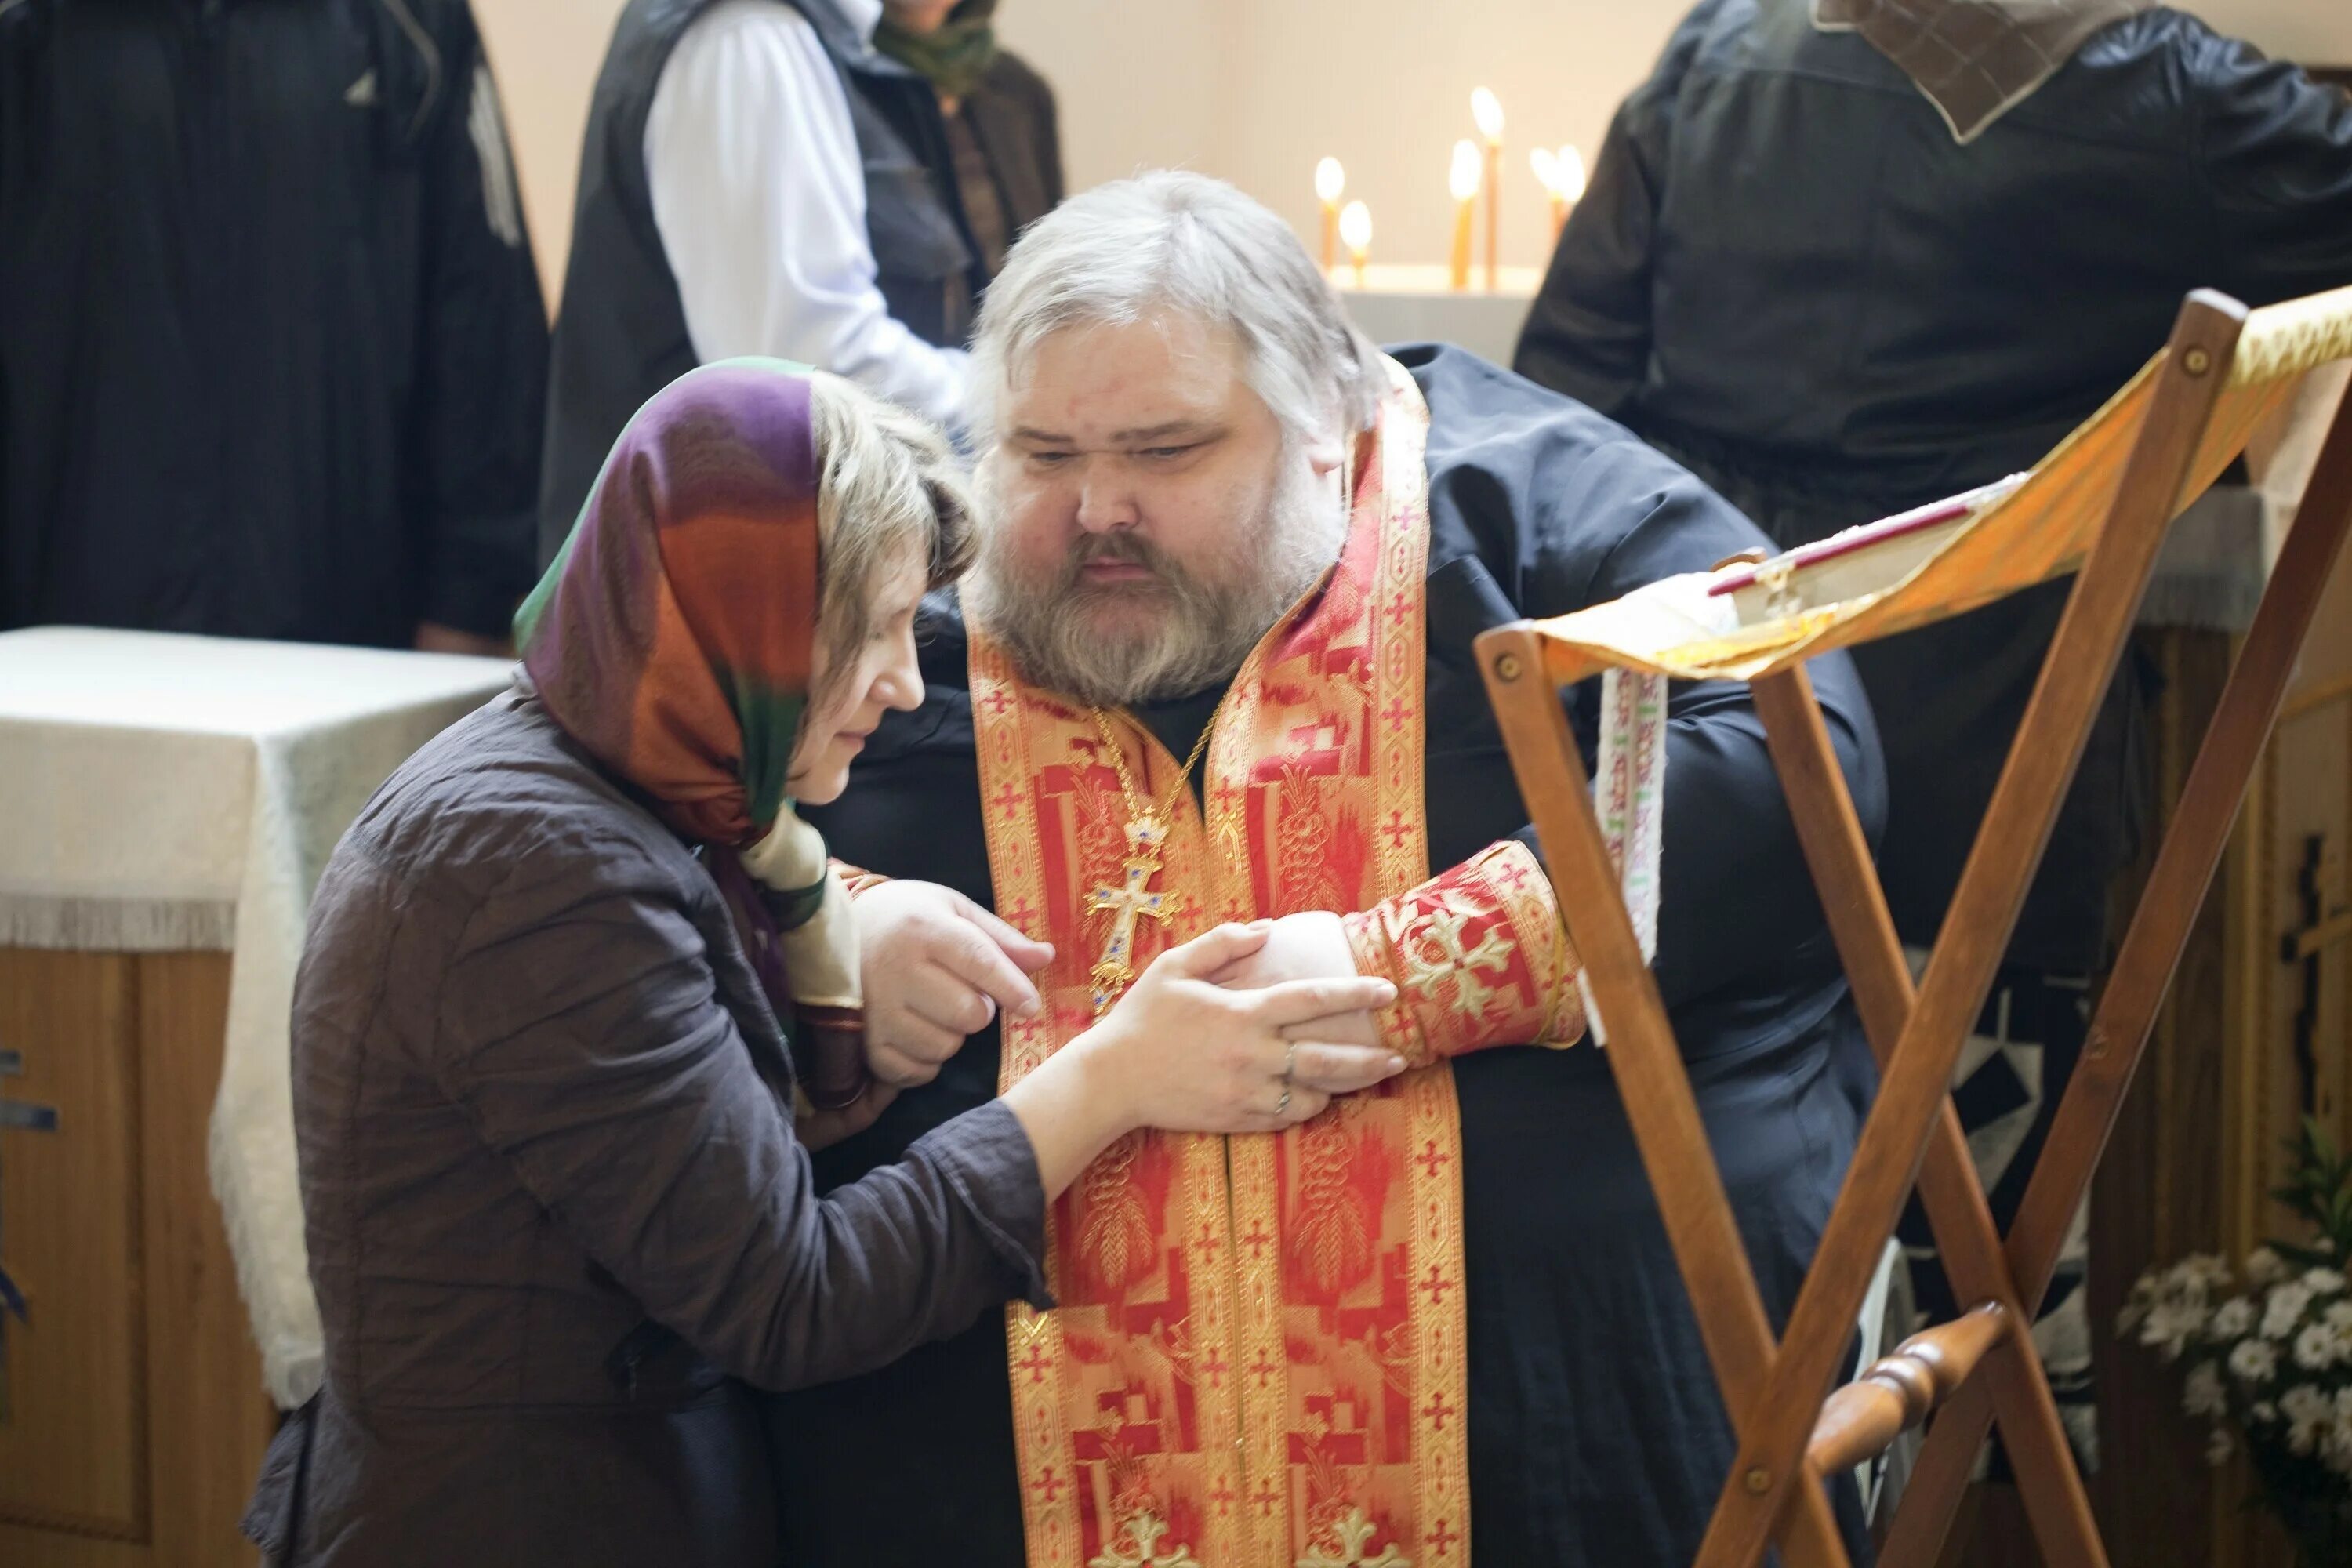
[1596, 1433]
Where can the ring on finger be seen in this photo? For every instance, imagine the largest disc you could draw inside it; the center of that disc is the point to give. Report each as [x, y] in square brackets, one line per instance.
[1282, 1106]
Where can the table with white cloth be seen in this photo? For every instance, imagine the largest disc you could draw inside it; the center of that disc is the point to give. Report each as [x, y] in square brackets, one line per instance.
[1402, 303]
[166, 806]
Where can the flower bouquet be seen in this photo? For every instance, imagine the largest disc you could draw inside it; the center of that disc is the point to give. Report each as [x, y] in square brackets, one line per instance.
[2266, 1353]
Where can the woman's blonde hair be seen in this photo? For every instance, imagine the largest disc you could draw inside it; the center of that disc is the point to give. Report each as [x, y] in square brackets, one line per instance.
[889, 486]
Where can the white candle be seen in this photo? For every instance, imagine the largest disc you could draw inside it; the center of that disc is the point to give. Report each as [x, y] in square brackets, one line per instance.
[1356, 230]
[1462, 180]
[1487, 111]
[1330, 180]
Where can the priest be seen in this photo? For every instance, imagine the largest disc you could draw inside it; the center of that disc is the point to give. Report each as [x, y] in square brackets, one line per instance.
[1215, 663]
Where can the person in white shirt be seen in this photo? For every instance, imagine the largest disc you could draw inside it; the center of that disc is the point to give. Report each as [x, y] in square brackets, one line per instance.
[827, 181]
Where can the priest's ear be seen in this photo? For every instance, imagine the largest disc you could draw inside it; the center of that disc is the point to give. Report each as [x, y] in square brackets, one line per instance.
[1324, 452]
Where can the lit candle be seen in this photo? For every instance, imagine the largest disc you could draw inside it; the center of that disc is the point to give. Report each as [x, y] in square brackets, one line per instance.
[1571, 183]
[1487, 111]
[1330, 180]
[1561, 175]
[1463, 179]
[1356, 230]
[1546, 164]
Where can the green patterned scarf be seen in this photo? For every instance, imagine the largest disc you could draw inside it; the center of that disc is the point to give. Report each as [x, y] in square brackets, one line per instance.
[954, 55]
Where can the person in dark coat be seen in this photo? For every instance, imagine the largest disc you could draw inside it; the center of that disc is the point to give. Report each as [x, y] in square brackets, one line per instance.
[1843, 257]
[828, 181]
[272, 352]
[1156, 539]
[554, 1008]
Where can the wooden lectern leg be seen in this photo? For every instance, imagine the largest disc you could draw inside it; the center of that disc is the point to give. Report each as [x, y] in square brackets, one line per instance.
[2017, 825]
[1863, 928]
[2151, 950]
[1643, 1058]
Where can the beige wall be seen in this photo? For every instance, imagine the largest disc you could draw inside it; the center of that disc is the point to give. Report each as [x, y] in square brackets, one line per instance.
[546, 53]
[1257, 91]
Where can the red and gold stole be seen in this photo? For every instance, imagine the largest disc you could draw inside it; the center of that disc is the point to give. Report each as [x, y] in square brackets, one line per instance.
[1258, 1355]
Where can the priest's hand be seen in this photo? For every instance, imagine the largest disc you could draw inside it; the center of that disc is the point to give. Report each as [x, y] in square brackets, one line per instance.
[1308, 946]
[935, 967]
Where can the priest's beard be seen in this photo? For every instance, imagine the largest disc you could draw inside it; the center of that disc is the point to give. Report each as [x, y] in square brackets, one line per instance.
[1202, 619]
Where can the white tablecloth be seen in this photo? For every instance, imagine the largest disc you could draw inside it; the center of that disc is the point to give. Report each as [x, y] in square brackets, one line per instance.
[165, 793]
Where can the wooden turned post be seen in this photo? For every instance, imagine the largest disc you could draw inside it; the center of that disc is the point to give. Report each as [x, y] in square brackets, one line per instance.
[1863, 1419]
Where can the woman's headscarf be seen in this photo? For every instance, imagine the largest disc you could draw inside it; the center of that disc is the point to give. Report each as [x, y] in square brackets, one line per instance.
[674, 638]
[674, 634]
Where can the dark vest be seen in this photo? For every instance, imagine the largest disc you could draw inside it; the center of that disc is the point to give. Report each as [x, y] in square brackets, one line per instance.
[622, 333]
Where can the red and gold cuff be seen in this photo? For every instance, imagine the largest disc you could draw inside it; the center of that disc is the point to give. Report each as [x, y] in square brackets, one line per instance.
[1479, 957]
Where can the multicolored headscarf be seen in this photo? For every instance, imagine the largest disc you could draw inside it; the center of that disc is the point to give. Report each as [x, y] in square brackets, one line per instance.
[675, 633]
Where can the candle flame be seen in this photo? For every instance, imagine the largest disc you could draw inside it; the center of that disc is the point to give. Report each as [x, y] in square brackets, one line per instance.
[1547, 168]
[1462, 178]
[1330, 180]
[1355, 226]
[1572, 174]
[1487, 111]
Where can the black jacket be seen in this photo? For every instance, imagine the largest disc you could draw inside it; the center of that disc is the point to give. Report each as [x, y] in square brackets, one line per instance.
[272, 351]
[1789, 275]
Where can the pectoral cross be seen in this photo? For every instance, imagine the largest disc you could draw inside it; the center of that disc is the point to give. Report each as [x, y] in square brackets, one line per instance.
[1113, 972]
[2322, 929]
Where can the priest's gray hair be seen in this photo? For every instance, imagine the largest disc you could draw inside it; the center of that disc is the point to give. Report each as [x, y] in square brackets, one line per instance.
[1180, 241]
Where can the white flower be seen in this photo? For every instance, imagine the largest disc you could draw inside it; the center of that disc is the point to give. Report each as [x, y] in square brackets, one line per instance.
[2254, 1361]
[2202, 1394]
[2339, 1315]
[2323, 1282]
[2233, 1317]
[2169, 1325]
[2264, 1267]
[2202, 1272]
[2282, 1308]
[2262, 1410]
[2217, 1447]
[2309, 1414]
[2318, 1348]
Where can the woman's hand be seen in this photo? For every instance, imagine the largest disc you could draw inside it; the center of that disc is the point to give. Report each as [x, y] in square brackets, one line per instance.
[1196, 1057]
[1310, 945]
[1182, 1053]
[936, 968]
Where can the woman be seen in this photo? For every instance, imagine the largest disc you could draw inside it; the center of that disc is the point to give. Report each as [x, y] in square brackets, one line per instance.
[833, 181]
[558, 1219]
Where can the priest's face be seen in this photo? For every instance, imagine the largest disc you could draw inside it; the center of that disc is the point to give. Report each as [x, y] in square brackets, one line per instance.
[1146, 519]
[845, 704]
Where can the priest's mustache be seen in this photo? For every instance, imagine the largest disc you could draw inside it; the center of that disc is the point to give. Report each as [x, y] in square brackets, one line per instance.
[1124, 549]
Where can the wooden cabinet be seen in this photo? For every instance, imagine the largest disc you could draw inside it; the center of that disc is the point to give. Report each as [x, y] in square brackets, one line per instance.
[133, 1417]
